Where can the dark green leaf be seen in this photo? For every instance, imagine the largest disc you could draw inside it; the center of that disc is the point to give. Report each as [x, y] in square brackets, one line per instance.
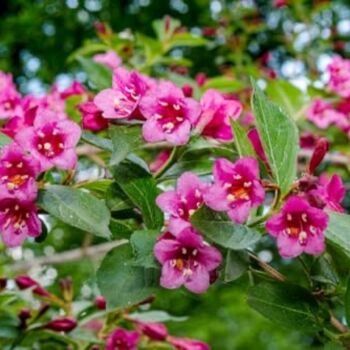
[77, 208]
[97, 141]
[243, 145]
[122, 228]
[141, 188]
[121, 282]
[116, 199]
[142, 243]
[220, 229]
[236, 264]
[287, 305]
[125, 139]
[347, 302]
[99, 75]
[279, 137]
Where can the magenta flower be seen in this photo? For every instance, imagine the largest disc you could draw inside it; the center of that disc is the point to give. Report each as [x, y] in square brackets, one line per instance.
[170, 115]
[339, 76]
[51, 141]
[10, 99]
[322, 114]
[188, 344]
[121, 339]
[328, 194]
[214, 120]
[75, 89]
[109, 59]
[298, 228]
[122, 101]
[186, 260]
[236, 188]
[92, 117]
[183, 202]
[17, 173]
[18, 219]
[255, 141]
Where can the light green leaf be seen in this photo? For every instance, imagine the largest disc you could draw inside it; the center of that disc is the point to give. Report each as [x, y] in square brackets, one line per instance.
[236, 264]
[4, 140]
[279, 137]
[77, 208]
[185, 39]
[224, 84]
[243, 145]
[156, 316]
[220, 229]
[97, 141]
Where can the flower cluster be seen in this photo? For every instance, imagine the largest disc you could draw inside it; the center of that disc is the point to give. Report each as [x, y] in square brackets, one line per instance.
[42, 138]
[165, 110]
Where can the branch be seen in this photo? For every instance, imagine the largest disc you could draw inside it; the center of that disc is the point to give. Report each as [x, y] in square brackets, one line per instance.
[70, 255]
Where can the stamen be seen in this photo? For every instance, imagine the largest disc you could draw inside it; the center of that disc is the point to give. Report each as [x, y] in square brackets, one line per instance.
[163, 103]
[231, 198]
[247, 184]
[313, 229]
[191, 212]
[179, 119]
[304, 217]
[184, 251]
[197, 193]
[302, 237]
[194, 252]
[237, 177]
[20, 165]
[289, 217]
[47, 146]
[176, 107]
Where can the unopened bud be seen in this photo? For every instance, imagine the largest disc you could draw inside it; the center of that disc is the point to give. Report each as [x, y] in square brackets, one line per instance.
[187, 90]
[23, 315]
[100, 302]
[67, 288]
[201, 78]
[66, 324]
[321, 148]
[25, 282]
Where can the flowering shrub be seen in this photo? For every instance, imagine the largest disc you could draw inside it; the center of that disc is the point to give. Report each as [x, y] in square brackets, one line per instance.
[192, 185]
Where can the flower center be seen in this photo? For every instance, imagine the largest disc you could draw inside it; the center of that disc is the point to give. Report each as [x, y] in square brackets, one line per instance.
[238, 189]
[50, 144]
[169, 116]
[15, 216]
[185, 261]
[299, 226]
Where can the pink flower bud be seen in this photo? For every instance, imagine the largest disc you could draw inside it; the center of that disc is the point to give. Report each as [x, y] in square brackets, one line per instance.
[65, 324]
[187, 89]
[25, 282]
[100, 302]
[321, 148]
[201, 78]
[155, 331]
[23, 315]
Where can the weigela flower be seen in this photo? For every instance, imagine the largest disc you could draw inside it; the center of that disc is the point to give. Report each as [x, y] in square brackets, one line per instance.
[328, 194]
[186, 260]
[298, 228]
[109, 59]
[10, 99]
[25, 282]
[51, 141]
[170, 115]
[92, 117]
[122, 101]
[18, 220]
[75, 89]
[322, 114]
[121, 339]
[17, 173]
[183, 202]
[236, 188]
[214, 120]
[339, 76]
[188, 344]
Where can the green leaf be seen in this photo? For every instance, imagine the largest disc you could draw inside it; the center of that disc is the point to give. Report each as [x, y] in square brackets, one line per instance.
[156, 316]
[122, 228]
[286, 95]
[243, 145]
[97, 141]
[121, 282]
[99, 75]
[337, 233]
[220, 229]
[285, 304]
[347, 302]
[185, 39]
[279, 137]
[4, 140]
[116, 199]
[125, 139]
[141, 189]
[224, 84]
[99, 186]
[143, 242]
[77, 208]
[159, 27]
[236, 264]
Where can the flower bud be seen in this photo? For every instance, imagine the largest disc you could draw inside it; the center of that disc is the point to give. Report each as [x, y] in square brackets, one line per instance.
[3, 283]
[201, 78]
[66, 324]
[25, 282]
[23, 315]
[100, 302]
[155, 331]
[321, 148]
[187, 89]
[67, 288]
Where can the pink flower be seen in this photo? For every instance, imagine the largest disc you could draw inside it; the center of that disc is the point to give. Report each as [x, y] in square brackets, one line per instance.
[159, 161]
[255, 141]
[328, 194]
[122, 101]
[188, 344]
[214, 120]
[121, 339]
[186, 260]
[17, 173]
[155, 331]
[339, 76]
[321, 149]
[10, 99]
[74, 89]
[183, 202]
[109, 59]
[92, 117]
[298, 228]
[170, 115]
[51, 141]
[236, 188]
[322, 114]
[18, 219]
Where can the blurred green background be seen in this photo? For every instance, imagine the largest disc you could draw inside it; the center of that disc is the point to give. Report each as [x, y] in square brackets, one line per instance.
[37, 36]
